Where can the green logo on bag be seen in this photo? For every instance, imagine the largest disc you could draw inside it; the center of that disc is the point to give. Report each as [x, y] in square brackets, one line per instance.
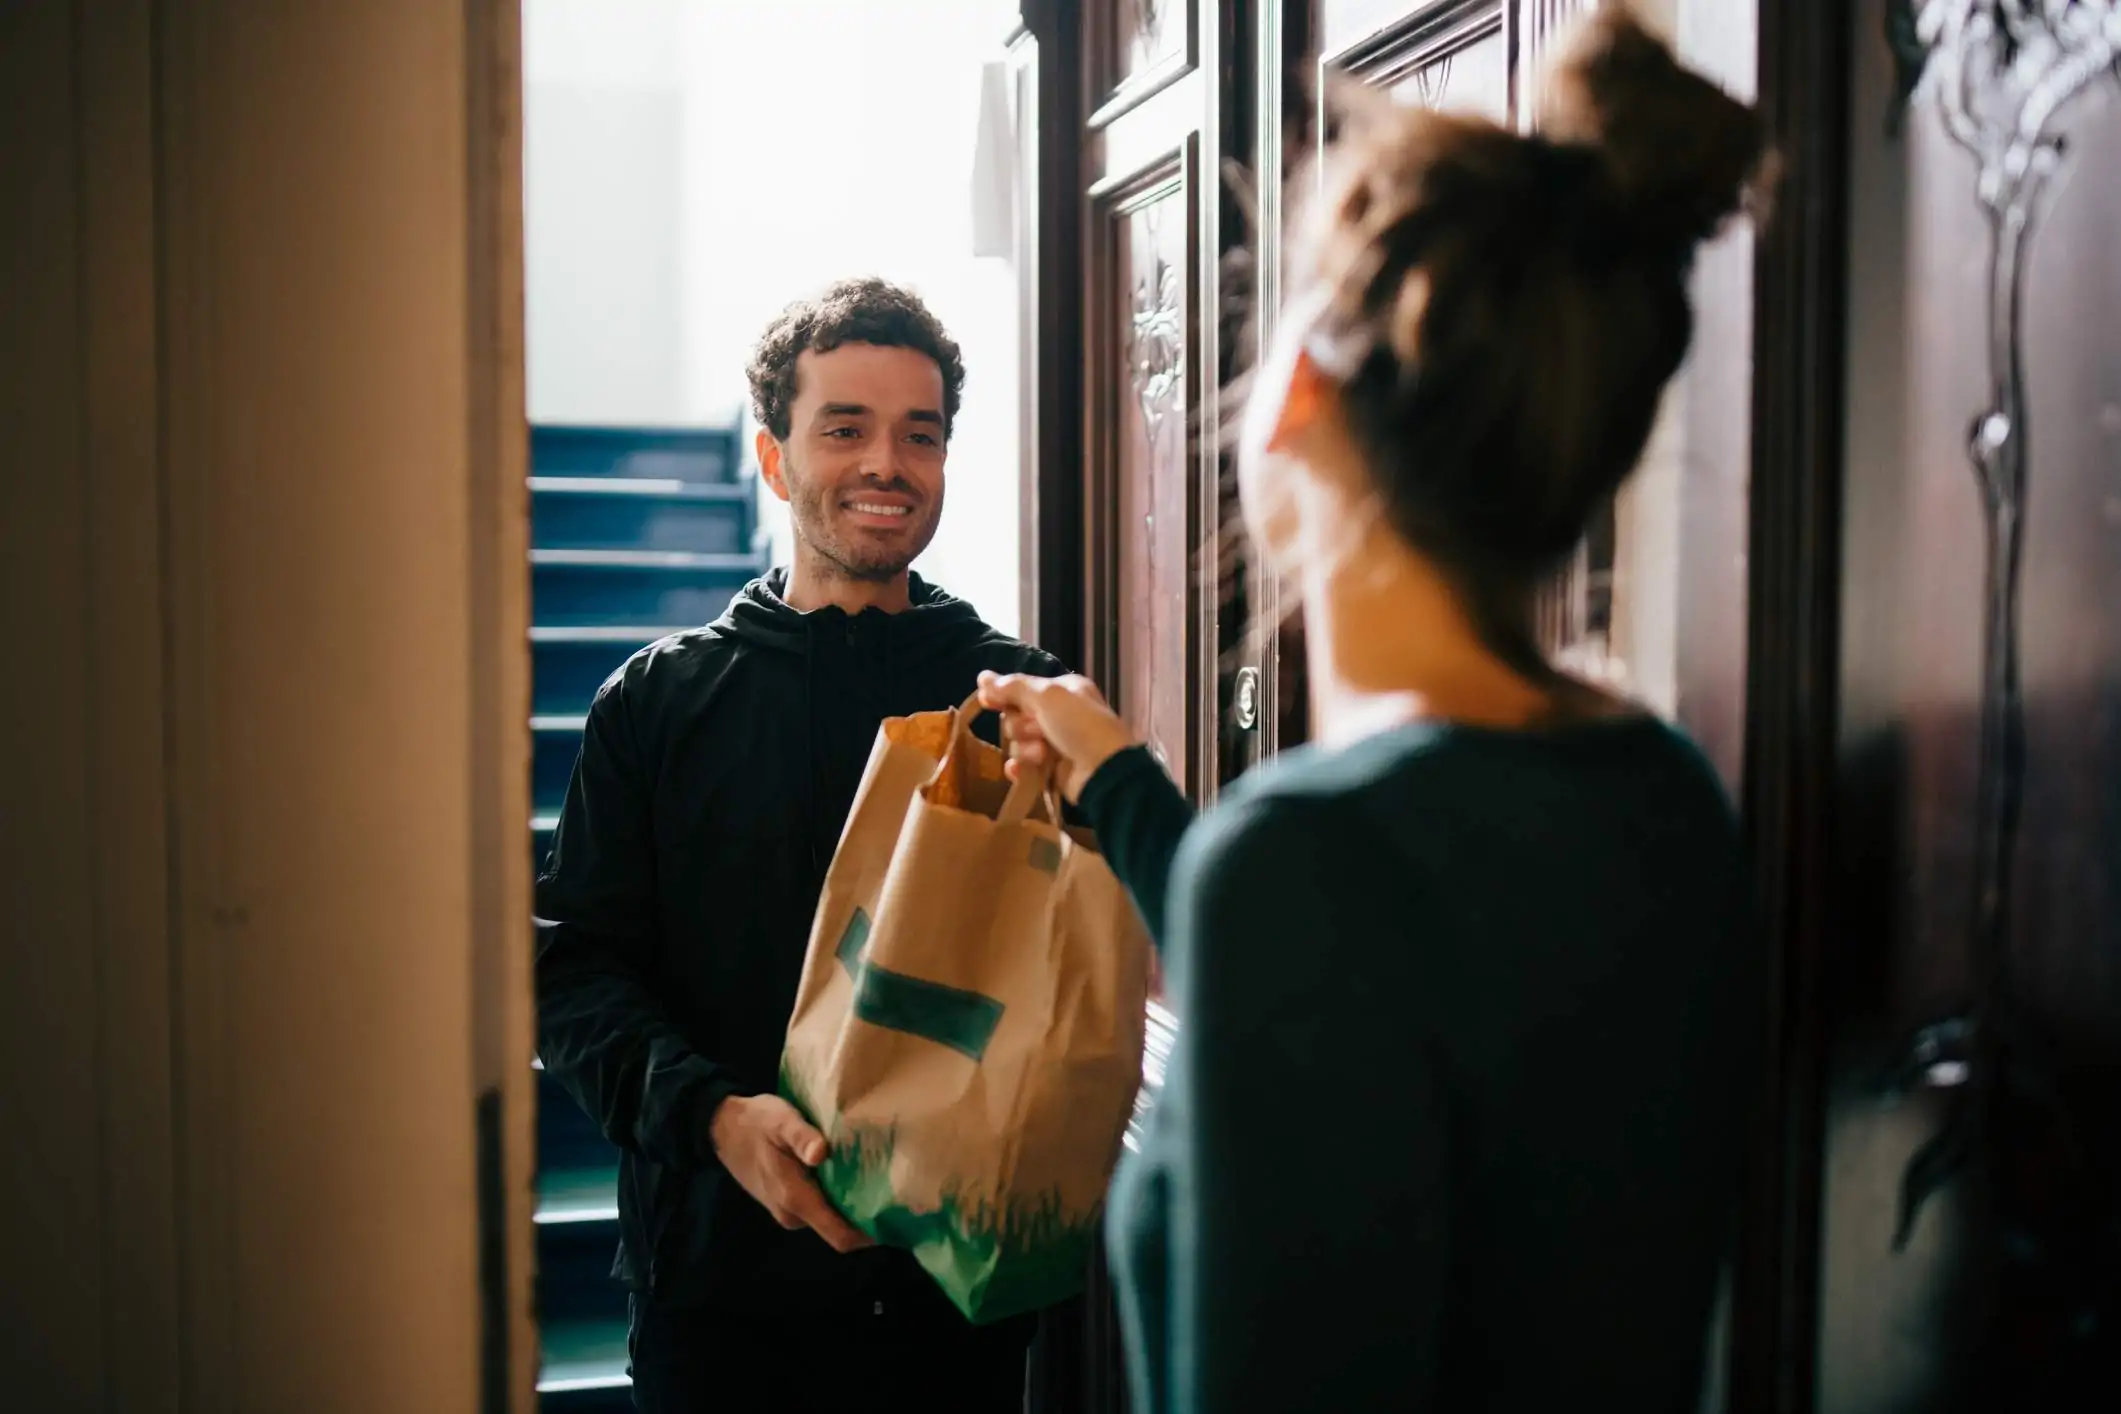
[949, 1016]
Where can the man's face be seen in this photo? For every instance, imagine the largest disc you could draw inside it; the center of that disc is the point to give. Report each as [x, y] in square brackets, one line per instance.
[862, 468]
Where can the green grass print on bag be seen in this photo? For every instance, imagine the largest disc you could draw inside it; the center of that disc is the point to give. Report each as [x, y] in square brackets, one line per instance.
[992, 1261]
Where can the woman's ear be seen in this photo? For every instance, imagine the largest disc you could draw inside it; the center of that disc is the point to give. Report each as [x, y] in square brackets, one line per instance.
[1310, 394]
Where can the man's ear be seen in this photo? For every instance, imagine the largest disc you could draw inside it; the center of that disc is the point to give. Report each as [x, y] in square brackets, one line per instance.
[1310, 394]
[769, 453]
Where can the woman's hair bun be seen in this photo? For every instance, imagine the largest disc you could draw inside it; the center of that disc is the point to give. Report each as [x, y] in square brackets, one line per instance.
[1683, 156]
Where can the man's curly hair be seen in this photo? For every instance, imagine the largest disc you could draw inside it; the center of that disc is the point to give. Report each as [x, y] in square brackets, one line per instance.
[866, 311]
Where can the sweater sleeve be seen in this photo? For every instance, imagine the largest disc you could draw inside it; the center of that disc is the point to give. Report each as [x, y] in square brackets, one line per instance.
[1139, 816]
[602, 1033]
[1285, 1203]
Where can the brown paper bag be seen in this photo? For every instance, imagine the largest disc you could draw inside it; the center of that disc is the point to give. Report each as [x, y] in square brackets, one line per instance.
[968, 1034]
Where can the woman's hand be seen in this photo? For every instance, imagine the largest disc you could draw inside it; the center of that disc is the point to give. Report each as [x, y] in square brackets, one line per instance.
[1059, 723]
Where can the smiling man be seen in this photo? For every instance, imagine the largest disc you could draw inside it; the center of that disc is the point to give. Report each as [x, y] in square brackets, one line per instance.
[717, 768]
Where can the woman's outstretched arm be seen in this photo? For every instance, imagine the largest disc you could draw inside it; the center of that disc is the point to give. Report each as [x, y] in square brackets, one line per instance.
[1063, 725]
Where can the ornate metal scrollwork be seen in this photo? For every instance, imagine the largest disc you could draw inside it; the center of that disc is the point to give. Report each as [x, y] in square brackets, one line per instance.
[1998, 72]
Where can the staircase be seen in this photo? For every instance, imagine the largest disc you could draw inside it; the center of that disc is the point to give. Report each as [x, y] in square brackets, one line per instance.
[635, 534]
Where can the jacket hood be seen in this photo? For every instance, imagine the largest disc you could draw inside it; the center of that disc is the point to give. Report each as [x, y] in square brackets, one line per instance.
[936, 623]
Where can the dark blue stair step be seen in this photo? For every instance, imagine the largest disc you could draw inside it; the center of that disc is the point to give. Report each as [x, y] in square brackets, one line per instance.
[569, 1141]
[574, 1197]
[581, 1307]
[555, 740]
[614, 513]
[568, 664]
[582, 1367]
[665, 454]
[580, 588]
[574, 1272]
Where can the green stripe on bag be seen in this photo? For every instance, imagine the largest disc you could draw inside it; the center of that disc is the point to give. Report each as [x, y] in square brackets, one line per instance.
[949, 1016]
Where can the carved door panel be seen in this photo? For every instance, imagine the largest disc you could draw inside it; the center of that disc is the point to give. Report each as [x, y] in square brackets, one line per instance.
[1152, 144]
[1972, 1159]
[1148, 467]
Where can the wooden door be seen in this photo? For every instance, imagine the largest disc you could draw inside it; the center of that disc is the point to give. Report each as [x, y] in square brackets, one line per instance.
[1152, 144]
[1971, 1043]
[1127, 227]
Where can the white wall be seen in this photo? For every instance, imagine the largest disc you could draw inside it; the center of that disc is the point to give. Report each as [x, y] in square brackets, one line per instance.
[605, 97]
[692, 167]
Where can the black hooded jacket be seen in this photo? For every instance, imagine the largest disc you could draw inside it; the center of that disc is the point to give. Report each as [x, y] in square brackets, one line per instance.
[716, 771]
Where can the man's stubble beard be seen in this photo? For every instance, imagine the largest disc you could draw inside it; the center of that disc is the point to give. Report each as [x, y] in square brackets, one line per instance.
[810, 511]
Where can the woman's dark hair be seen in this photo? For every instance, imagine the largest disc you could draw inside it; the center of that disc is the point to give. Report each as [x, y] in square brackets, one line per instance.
[1503, 311]
[864, 311]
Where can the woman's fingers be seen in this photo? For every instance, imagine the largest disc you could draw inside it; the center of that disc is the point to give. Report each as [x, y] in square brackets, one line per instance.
[1061, 722]
[1023, 759]
[1003, 693]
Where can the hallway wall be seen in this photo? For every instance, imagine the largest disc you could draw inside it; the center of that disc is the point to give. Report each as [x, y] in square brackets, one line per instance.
[691, 168]
[262, 589]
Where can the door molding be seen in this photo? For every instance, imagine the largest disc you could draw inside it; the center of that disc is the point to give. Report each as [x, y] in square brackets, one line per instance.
[1045, 55]
[1418, 39]
[1793, 647]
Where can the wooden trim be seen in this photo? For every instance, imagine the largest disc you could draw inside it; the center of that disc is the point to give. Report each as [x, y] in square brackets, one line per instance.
[1113, 99]
[1415, 40]
[1203, 403]
[1793, 645]
[1271, 140]
[191, 441]
[126, 724]
[498, 556]
[1284, 47]
[1050, 484]
[1026, 247]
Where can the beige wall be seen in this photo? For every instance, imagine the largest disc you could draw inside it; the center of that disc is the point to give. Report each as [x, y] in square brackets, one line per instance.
[263, 889]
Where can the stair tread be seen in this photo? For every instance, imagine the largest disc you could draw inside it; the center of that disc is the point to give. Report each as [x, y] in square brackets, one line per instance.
[731, 560]
[582, 1355]
[578, 1195]
[605, 493]
[605, 633]
[696, 434]
[652, 487]
[558, 723]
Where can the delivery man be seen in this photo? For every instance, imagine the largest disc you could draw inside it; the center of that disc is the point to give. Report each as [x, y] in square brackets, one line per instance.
[716, 770]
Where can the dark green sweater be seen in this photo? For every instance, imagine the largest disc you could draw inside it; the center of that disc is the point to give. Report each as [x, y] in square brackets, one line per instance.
[1468, 1027]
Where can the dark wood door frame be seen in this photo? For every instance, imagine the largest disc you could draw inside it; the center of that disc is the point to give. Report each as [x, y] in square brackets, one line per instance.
[1793, 645]
[1046, 56]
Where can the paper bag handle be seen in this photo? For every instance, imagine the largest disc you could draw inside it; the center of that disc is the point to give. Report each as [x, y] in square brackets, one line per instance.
[1031, 783]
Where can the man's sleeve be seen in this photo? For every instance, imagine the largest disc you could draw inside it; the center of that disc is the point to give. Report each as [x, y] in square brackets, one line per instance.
[601, 1031]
